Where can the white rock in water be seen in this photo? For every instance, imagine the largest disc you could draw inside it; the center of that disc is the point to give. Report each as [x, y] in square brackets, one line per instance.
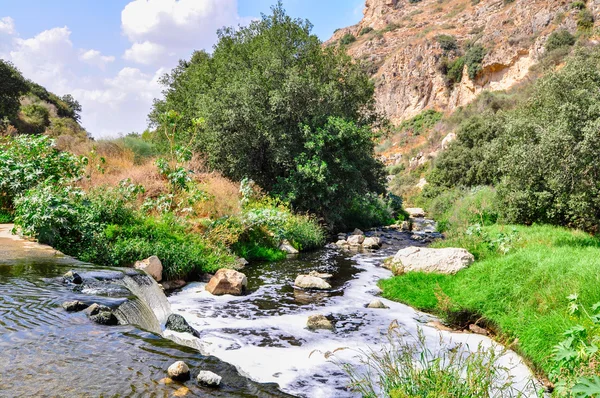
[179, 371]
[152, 266]
[371, 243]
[376, 304]
[288, 248]
[208, 378]
[227, 281]
[415, 212]
[311, 282]
[356, 240]
[358, 232]
[320, 275]
[444, 261]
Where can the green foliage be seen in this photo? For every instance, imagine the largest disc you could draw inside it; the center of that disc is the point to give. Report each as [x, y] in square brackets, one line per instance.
[334, 169]
[579, 5]
[12, 86]
[585, 20]
[422, 122]
[6, 216]
[453, 70]
[25, 161]
[348, 38]
[142, 149]
[577, 358]
[447, 43]
[521, 292]
[366, 30]
[259, 91]
[66, 106]
[558, 39]
[541, 155]
[37, 117]
[407, 367]
[473, 58]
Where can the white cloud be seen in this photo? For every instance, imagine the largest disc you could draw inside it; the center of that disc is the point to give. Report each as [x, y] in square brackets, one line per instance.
[7, 26]
[180, 26]
[145, 53]
[95, 58]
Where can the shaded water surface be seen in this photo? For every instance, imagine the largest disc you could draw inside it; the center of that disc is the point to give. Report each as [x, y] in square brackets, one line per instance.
[47, 352]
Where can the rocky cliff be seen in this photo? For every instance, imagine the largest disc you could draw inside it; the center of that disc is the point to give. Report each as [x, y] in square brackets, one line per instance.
[409, 45]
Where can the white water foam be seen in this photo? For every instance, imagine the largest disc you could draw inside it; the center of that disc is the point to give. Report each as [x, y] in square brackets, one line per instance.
[280, 349]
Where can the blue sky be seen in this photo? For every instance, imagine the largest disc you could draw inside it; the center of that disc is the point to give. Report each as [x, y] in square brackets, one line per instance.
[109, 54]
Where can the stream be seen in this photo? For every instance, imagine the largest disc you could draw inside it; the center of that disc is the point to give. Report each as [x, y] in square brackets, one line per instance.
[258, 342]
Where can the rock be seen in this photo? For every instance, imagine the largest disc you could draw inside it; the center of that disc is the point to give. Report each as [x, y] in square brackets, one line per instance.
[74, 306]
[447, 140]
[341, 243]
[287, 247]
[415, 212]
[356, 240]
[311, 282]
[341, 237]
[440, 326]
[102, 315]
[179, 371]
[240, 263]
[444, 261]
[181, 392]
[421, 184]
[371, 243]
[478, 330]
[72, 277]
[320, 275]
[227, 281]
[376, 304]
[406, 226]
[319, 322]
[172, 285]
[357, 232]
[178, 323]
[208, 378]
[152, 266]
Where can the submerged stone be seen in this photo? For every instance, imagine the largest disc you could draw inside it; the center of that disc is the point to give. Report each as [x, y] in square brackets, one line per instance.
[102, 315]
[376, 304]
[72, 277]
[319, 322]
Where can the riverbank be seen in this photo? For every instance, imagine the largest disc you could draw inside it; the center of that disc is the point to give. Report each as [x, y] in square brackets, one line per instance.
[521, 287]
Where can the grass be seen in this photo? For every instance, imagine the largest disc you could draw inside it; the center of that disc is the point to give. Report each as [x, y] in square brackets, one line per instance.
[5, 217]
[523, 294]
[407, 367]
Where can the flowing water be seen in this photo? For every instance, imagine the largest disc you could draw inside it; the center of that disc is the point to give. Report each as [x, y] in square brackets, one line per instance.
[47, 352]
[264, 333]
[253, 341]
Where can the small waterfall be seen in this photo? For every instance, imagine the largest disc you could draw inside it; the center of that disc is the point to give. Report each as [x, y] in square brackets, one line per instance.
[149, 309]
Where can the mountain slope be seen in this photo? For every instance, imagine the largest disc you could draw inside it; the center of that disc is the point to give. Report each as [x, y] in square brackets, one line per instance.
[414, 48]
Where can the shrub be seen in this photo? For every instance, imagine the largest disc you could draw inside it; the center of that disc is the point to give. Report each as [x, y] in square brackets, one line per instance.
[365, 30]
[473, 58]
[36, 117]
[348, 38]
[12, 86]
[558, 39]
[447, 43]
[454, 70]
[585, 20]
[25, 161]
[579, 5]
[422, 122]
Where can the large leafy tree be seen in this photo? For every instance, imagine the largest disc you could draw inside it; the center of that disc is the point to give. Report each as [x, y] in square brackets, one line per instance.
[260, 91]
[12, 86]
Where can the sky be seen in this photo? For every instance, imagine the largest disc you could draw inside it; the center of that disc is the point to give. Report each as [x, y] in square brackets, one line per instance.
[110, 54]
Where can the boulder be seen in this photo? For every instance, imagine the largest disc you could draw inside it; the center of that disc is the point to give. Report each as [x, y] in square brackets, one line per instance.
[371, 243]
[406, 226]
[179, 371]
[376, 304]
[319, 322]
[356, 240]
[447, 140]
[72, 277]
[415, 212]
[445, 261]
[172, 285]
[101, 314]
[208, 378]
[320, 275]
[178, 323]
[478, 329]
[227, 281]
[341, 243]
[152, 266]
[287, 247]
[357, 232]
[74, 306]
[311, 282]
[240, 263]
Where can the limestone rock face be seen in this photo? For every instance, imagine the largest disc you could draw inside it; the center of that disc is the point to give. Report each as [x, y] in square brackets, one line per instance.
[405, 57]
[311, 282]
[179, 371]
[227, 281]
[423, 259]
[152, 266]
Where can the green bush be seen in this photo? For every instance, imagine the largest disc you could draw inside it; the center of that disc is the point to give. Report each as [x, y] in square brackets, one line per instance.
[25, 161]
[366, 212]
[585, 20]
[473, 58]
[348, 38]
[454, 70]
[447, 43]
[12, 87]
[37, 118]
[366, 30]
[579, 5]
[422, 122]
[558, 39]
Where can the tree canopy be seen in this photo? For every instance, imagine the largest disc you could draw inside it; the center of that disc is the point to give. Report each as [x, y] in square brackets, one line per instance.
[12, 86]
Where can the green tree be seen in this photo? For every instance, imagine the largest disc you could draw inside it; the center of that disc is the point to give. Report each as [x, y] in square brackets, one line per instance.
[74, 105]
[12, 86]
[259, 91]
